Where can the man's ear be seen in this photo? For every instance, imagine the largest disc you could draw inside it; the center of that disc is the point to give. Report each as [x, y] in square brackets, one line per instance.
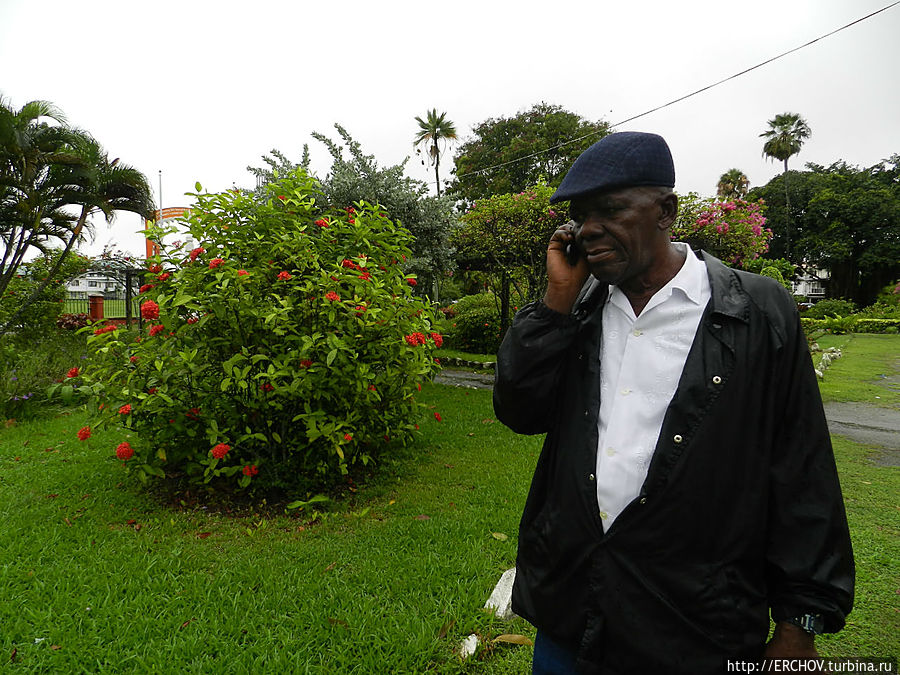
[668, 210]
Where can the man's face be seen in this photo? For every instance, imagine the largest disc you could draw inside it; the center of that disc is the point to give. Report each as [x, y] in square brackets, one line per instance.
[622, 232]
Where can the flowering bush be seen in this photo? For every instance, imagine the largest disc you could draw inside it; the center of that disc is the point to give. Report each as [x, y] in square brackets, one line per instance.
[288, 374]
[733, 231]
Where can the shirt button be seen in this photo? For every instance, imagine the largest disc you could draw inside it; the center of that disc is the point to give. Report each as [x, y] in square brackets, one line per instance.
[717, 379]
[610, 452]
[604, 515]
[637, 333]
[677, 438]
[625, 391]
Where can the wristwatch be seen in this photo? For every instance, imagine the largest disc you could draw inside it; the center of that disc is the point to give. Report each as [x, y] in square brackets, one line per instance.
[814, 624]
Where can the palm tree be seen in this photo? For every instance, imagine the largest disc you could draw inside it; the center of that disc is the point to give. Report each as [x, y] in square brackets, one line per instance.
[733, 184]
[46, 171]
[784, 138]
[432, 129]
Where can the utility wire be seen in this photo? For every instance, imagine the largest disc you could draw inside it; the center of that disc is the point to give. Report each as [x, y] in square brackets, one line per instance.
[681, 98]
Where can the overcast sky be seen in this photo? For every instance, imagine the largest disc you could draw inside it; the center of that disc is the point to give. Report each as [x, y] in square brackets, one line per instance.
[200, 89]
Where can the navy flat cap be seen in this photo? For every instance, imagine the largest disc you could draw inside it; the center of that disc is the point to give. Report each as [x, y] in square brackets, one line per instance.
[625, 159]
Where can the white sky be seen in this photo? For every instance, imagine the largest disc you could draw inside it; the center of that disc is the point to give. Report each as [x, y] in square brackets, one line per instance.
[200, 89]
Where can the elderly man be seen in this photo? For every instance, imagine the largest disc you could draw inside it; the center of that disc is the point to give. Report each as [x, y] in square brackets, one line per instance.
[686, 486]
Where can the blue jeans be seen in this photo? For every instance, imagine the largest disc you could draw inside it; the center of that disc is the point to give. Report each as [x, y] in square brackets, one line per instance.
[551, 658]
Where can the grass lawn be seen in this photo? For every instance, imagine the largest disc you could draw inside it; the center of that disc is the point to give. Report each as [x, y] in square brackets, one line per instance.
[96, 576]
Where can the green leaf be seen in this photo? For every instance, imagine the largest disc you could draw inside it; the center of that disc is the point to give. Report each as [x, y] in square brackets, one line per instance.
[331, 356]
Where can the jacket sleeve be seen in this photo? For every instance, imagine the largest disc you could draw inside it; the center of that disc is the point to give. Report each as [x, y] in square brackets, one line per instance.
[809, 557]
[530, 364]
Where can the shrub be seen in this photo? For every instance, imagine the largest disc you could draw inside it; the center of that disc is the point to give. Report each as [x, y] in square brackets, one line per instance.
[831, 307]
[733, 231]
[72, 321]
[284, 349]
[474, 324]
[32, 372]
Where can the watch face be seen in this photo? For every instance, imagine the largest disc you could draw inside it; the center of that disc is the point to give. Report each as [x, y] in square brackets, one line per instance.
[811, 623]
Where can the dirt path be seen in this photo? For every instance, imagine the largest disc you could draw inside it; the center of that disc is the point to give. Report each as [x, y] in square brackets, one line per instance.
[860, 422]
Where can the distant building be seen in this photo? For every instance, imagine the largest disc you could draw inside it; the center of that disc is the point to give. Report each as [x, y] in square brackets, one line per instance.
[96, 283]
[811, 285]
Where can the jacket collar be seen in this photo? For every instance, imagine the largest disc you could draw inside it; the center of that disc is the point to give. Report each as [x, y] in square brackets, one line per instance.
[728, 296]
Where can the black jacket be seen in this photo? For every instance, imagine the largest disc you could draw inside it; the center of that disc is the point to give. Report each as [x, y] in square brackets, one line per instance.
[741, 510]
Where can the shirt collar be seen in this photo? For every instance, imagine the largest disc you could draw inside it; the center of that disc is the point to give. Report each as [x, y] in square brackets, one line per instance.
[690, 280]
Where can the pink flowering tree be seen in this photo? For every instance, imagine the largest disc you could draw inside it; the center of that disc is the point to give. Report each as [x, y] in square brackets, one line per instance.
[734, 231]
[283, 351]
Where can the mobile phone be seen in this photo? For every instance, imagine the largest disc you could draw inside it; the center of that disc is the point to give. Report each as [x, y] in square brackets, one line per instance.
[574, 252]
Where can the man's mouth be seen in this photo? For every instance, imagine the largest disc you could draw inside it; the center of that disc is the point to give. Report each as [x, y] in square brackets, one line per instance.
[600, 255]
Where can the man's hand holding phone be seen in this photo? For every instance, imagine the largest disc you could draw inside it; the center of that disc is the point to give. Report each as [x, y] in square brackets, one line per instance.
[567, 269]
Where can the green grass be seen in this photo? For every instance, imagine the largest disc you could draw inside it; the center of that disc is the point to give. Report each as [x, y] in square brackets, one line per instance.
[366, 593]
[444, 353]
[859, 375]
[96, 576]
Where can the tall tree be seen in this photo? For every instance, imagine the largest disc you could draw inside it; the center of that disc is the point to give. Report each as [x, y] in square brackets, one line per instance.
[432, 130]
[53, 179]
[847, 221]
[784, 138]
[733, 184]
[509, 154]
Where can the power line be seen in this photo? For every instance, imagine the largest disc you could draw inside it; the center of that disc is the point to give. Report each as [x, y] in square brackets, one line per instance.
[681, 98]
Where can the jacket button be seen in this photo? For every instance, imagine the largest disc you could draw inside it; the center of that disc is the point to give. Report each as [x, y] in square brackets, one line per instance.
[717, 379]
[580, 357]
[586, 413]
[591, 477]
[677, 438]
[643, 500]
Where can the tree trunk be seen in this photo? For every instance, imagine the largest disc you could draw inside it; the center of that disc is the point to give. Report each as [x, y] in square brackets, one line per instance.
[50, 275]
[787, 213]
[437, 164]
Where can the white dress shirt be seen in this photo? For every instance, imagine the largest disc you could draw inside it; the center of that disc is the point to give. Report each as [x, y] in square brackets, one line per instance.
[641, 360]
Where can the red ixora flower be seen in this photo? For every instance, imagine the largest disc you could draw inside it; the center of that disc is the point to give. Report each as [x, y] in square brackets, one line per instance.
[156, 269]
[414, 339]
[284, 276]
[124, 451]
[321, 222]
[331, 295]
[151, 390]
[411, 281]
[192, 319]
[125, 409]
[84, 433]
[365, 276]
[193, 414]
[220, 450]
[106, 329]
[250, 470]
[266, 386]
[348, 437]
[145, 288]
[349, 263]
[156, 329]
[281, 197]
[438, 339]
[73, 372]
[163, 277]
[305, 363]
[216, 262]
[133, 359]
[243, 273]
[195, 253]
[149, 310]
[438, 417]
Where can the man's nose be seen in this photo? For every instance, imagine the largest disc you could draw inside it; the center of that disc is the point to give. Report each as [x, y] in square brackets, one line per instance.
[591, 228]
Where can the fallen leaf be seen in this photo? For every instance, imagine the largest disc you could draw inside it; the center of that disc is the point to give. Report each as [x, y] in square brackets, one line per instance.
[513, 639]
[68, 522]
[448, 466]
[132, 521]
[393, 501]
[53, 495]
[10, 423]
[339, 622]
[487, 421]
[15, 653]
[137, 528]
[331, 566]
[185, 624]
[442, 633]
[499, 536]
[55, 647]
[203, 535]
[422, 517]
[470, 434]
